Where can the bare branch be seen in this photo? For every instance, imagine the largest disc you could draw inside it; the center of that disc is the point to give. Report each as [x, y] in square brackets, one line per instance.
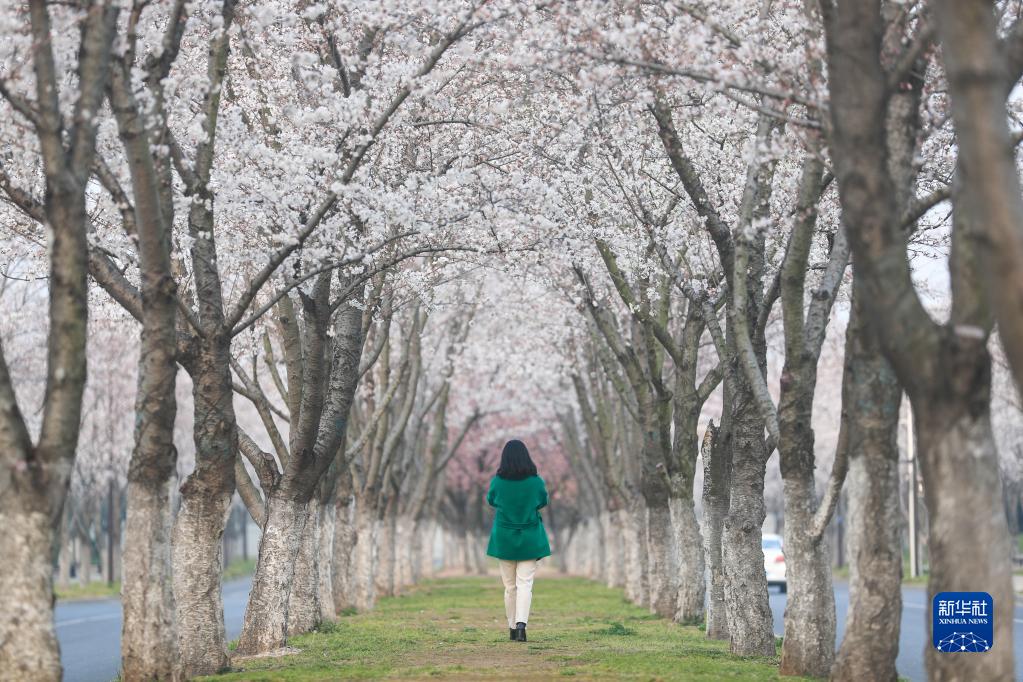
[249, 493]
[835, 482]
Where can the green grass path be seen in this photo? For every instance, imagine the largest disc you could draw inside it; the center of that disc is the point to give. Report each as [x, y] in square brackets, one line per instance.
[454, 628]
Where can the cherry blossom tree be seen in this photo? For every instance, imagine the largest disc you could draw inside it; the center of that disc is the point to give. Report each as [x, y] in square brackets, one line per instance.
[37, 467]
[377, 240]
[944, 367]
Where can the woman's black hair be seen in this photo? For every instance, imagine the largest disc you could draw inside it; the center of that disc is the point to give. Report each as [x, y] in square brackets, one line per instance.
[515, 462]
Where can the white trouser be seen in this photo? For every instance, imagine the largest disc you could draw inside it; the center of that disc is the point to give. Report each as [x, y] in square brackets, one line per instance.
[518, 589]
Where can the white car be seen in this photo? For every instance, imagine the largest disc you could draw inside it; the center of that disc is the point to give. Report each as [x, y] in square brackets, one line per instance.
[774, 561]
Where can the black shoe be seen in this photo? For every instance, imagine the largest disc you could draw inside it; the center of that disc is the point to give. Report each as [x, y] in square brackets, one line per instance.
[513, 634]
[520, 631]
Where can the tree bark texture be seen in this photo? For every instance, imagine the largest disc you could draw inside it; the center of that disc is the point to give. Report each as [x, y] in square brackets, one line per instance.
[691, 581]
[266, 616]
[325, 562]
[809, 644]
[870, 399]
[662, 562]
[614, 547]
[968, 552]
[975, 65]
[717, 472]
[386, 561]
[304, 600]
[634, 542]
[344, 548]
[28, 640]
[364, 557]
[945, 369]
[198, 567]
[408, 543]
[746, 601]
[426, 556]
[205, 506]
[148, 633]
[34, 477]
[149, 630]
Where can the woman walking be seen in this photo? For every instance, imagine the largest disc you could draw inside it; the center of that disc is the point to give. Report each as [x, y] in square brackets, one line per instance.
[517, 539]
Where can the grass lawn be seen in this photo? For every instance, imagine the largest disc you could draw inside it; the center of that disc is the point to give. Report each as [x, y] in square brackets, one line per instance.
[455, 628]
[239, 568]
[95, 590]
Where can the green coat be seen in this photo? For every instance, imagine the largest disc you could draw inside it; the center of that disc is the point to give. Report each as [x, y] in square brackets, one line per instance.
[518, 533]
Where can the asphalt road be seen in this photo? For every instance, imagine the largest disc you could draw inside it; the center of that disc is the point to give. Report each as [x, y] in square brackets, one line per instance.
[912, 635]
[90, 631]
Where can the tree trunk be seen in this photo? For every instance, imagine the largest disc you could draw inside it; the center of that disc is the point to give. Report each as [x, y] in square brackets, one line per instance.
[384, 574]
[577, 554]
[226, 540]
[809, 645]
[633, 539]
[746, 600]
[304, 600]
[871, 642]
[465, 546]
[65, 555]
[365, 556]
[592, 552]
[945, 369]
[597, 556]
[149, 630]
[476, 554]
[975, 67]
[477, 562]
[481, 549]
[426, 548]
[341, 560]
[149, 634]
[286, 587]
[580, 554]
[614, 549]
[687, 403]
[691, 583]
[406, 549]
[113, 532]
[102, 544]
[28, 640]
[454, 550]
[662, 564]
[808, 648]
[99, 542]
[325, 562]
[968, 552]
[589, 551]
[205, 505]
[266, 616]
[198, 567]
[86, 575]
[717, 474]
[35, 476]
[464, 552]
[421, 559]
